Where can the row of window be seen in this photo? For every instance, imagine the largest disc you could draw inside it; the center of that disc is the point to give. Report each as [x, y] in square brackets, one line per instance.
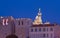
[19, 22]
[22, 23]
[44, 35]
[48, 35]
[5, 22]
[41, 29]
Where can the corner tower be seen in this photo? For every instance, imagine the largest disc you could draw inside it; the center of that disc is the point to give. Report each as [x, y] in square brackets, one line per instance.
[38, 19]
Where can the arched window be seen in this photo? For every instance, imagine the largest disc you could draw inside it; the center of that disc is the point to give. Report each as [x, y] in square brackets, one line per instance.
[5, 22]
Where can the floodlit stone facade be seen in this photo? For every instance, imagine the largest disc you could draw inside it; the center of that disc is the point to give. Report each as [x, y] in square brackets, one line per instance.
[19, 27]
[42, 31]
[24, 28]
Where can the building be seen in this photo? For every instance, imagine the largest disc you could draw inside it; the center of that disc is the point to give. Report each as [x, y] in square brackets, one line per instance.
[6, 26]
[18, 27]
[57, 31]
[43, 30]
[24, 28]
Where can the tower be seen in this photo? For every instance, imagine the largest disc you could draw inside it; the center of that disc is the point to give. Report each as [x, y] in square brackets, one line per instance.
[38, 19]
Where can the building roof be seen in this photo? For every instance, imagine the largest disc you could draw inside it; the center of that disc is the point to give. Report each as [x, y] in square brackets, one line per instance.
[43, 25]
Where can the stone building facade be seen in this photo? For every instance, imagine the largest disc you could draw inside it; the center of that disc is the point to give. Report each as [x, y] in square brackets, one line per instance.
[10, 26]
[24, 28]
[43, 30]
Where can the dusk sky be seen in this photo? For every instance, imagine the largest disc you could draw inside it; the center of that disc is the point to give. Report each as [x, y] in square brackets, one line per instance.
[50, 9]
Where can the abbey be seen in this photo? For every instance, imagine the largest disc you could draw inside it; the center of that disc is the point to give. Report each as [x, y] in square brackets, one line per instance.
[25, 28]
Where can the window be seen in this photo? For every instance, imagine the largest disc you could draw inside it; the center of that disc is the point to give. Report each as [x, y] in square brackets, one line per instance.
[18, 22]
[47, 35]
[44, 35]
[31, 30]
[35, 30]
[51, 35]
[51, 29]
[22, 22]
[43, 29]
[5, 22]
[47, 29]
[39, 29]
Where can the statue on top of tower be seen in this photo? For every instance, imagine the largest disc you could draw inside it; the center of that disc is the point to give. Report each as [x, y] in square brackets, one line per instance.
[38, 19]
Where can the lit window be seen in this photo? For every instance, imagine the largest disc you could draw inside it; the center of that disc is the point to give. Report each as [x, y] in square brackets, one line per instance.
[6, 21]
[31, 30]
[3, 22]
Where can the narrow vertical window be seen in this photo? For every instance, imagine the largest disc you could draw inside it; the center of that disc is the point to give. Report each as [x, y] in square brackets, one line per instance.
[22, 22]
[3, 22]
[6, 21]
[44, 29]
[47, 35]
[51, 29]
[31, 30]
[39, 29]
[44, 35]
[47, 29]
[18, 22]
[35, 29]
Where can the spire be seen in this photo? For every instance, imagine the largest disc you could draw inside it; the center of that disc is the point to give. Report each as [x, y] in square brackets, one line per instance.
[38, 19]
[39, 13]
[39, 10]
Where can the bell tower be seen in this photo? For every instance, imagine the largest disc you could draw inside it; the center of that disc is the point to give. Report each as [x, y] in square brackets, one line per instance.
[38, 19]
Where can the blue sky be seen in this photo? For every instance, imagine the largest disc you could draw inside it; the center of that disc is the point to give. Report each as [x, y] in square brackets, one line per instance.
[29, 8]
